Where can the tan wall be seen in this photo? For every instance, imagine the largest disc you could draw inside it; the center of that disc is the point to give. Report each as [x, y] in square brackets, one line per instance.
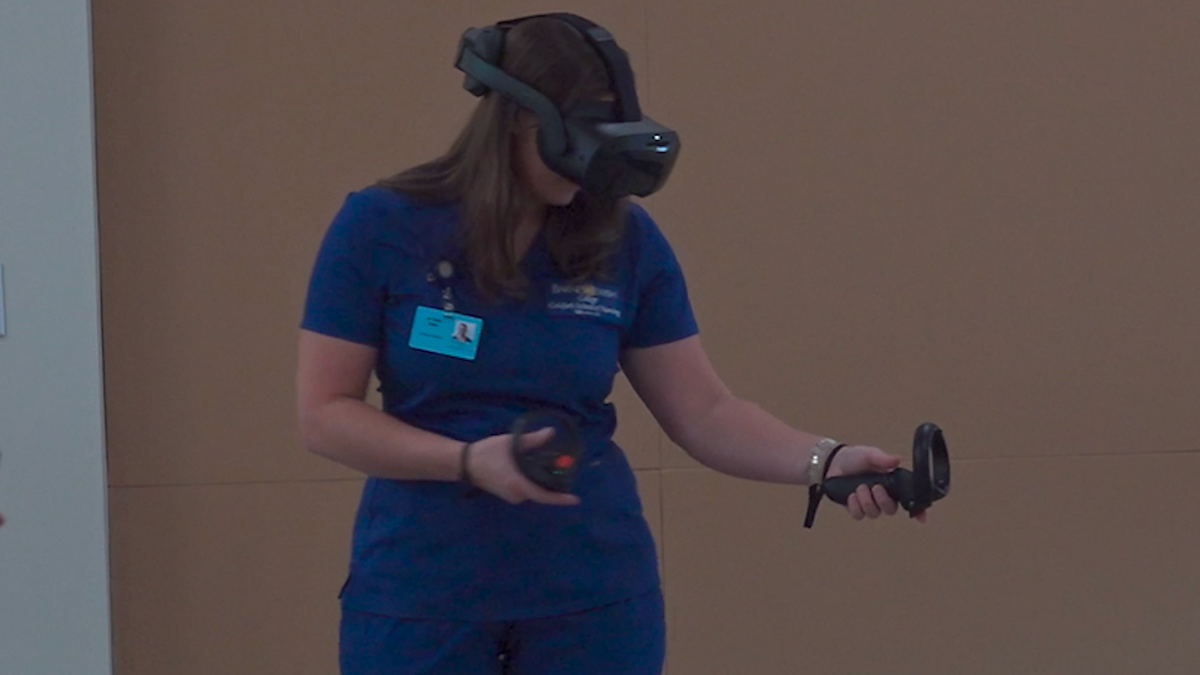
[976, 213]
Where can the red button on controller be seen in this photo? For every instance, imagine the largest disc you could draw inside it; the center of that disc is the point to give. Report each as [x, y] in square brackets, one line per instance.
[564, 461]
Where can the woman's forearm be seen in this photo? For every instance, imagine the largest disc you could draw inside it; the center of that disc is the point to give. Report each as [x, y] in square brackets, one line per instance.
[352, 433]
[739, 438]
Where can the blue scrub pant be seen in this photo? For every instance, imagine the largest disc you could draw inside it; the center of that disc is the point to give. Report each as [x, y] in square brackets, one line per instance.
[625, 638]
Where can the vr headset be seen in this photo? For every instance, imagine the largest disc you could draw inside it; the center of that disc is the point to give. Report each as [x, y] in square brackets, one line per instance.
[608, 150]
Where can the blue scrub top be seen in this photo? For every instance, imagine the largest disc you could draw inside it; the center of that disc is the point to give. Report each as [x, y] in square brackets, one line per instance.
[433, 549]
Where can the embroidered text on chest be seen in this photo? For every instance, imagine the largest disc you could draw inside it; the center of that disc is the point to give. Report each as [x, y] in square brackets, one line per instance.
[584, 300]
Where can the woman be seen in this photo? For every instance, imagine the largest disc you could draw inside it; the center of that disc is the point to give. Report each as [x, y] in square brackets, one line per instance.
[460, 564]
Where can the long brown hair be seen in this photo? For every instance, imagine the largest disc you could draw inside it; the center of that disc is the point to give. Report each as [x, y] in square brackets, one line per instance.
[479, 170]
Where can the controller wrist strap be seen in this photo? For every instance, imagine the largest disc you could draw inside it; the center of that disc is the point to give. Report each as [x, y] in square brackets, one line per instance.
[816, 489]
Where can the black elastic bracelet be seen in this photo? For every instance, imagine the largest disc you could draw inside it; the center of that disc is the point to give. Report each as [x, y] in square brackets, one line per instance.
[462, 465]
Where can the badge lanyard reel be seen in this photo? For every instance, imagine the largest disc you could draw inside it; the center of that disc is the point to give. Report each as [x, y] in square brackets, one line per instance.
[914, 490]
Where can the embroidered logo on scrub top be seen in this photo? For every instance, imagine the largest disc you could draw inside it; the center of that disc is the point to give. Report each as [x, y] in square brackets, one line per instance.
[586, 299]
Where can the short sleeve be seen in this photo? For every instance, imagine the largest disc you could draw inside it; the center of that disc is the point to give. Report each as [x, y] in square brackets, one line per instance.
[344, 295]
[663, 312]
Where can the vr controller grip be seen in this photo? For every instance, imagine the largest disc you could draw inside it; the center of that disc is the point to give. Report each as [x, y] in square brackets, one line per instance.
[550, 467]
[554, 464]
[898, 483]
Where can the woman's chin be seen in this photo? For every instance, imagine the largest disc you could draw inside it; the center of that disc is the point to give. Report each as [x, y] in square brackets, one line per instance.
[570, 194]
[563, 198]
[559, 193]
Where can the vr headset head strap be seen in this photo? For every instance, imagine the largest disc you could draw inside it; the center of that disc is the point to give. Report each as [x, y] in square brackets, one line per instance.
[483, 75]
[607, 148]
[488, 45]
[615, 60]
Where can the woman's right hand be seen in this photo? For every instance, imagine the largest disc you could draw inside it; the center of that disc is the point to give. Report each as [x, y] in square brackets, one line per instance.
[490, 467]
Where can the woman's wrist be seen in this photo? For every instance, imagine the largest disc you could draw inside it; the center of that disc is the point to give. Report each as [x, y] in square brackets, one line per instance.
[819, 458]
[464, 468]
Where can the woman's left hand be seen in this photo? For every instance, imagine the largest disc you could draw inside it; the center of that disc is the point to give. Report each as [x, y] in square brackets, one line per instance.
[867, 502]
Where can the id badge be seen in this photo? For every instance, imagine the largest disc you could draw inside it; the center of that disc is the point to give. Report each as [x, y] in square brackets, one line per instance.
[446, 333]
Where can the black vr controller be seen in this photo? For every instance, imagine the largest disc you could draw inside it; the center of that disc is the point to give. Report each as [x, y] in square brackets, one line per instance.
[914, 490]
[553, 464]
